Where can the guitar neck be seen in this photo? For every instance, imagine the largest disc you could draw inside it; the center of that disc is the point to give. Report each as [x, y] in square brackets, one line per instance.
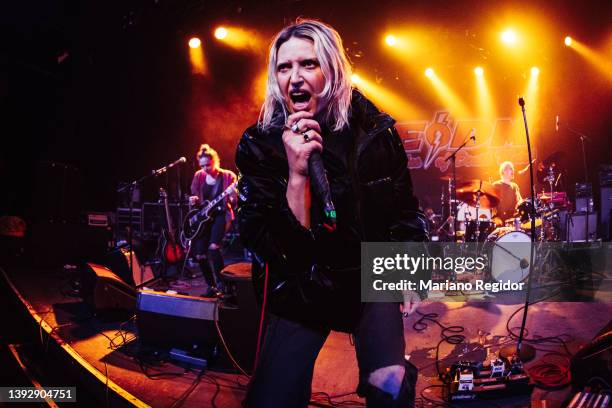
[168, 219]
[220, 197]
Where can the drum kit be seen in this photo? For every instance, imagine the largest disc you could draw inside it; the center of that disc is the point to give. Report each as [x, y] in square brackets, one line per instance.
[472, 220]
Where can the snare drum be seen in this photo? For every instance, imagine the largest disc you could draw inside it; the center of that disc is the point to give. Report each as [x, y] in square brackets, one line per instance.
[509, 255]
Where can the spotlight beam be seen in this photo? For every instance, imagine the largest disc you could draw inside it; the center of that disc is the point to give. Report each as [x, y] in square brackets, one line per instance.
[389, 102]
[601, 63]
[239, 38]
[484, 101]
[447, 96]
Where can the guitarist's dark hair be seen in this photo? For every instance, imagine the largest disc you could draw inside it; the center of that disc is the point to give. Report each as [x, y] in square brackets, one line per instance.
[207, 151]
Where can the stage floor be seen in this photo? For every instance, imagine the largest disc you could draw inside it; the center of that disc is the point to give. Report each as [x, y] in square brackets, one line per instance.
[112, 349]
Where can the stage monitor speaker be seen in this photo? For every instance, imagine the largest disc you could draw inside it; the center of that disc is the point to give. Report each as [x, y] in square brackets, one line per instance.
[240, 325]
[606, 212]
[106, 293]
[178, 321]
[577, 227]
[119, 260]
[188, 323]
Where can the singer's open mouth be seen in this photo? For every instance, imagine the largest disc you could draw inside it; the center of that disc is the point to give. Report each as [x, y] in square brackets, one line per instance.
[300, 99]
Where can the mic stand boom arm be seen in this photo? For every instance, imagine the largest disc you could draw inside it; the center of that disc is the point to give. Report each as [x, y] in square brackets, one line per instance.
[453, 157]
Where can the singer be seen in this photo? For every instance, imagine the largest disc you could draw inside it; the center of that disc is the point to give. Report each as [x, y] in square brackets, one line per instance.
[312, 271]
[208, 182]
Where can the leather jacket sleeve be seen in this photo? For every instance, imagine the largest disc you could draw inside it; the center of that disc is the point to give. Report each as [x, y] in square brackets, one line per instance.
[409, 223]
[267, 225]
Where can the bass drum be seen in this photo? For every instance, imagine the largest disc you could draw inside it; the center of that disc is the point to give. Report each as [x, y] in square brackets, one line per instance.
[509, 255]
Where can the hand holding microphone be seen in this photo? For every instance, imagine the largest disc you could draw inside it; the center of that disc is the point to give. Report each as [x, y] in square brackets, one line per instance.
[303, 144]
[302, 137]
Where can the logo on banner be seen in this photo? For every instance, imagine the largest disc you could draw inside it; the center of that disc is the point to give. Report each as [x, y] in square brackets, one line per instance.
[429, 143]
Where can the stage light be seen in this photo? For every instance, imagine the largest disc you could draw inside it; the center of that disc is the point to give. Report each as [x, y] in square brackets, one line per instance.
[196, 57]
[535, 71]
[568, 41]
[429, 73]
[391, 40]
[240, 38]
[392, 103]
[479, 71]
[221, 33]
[194, 42]
[509, 37]
[599, 59]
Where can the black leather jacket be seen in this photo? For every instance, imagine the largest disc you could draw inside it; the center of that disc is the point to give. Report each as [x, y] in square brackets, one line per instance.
[300, 287]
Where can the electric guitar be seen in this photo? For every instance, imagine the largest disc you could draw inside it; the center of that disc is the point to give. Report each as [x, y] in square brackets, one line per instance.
[195, 221]
[173, 252]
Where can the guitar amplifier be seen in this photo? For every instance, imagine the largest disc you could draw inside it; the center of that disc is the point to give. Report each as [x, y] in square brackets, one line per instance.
[605, 207]
[577, 228]
[605, 203]
[605, 175]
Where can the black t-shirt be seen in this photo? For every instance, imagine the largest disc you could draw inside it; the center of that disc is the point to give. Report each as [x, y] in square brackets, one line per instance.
[210, 191]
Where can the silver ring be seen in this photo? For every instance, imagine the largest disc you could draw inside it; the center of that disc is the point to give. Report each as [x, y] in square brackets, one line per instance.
[295, 127]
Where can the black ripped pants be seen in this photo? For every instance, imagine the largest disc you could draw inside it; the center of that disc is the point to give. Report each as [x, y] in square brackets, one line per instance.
[211, 260]
[283, 377]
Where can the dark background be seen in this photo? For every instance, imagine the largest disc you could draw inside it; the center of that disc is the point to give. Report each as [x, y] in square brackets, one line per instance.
[95, 93]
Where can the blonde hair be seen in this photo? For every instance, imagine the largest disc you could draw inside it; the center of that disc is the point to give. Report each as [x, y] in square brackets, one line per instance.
[336, 95]
[503, 166]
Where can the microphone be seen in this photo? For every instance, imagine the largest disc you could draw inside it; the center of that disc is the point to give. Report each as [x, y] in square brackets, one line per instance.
[556, 123]
[320, 186]
[524, 263]
[169, 166]
[473, 136]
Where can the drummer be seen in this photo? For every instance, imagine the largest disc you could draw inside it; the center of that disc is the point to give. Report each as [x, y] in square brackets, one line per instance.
[508, 193]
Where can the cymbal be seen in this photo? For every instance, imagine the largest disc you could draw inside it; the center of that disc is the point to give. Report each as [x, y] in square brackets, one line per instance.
[544, 197]
[476, 190]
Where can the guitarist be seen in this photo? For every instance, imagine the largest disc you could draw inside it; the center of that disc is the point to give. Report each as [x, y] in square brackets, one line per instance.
[208, 182]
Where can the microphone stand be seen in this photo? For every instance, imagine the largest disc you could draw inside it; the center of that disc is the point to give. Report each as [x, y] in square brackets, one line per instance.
[583, 137]
[453, 157]
[130, 188]
[525, 352]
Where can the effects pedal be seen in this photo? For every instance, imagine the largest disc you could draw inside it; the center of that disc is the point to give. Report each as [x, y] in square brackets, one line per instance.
[468, 380]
